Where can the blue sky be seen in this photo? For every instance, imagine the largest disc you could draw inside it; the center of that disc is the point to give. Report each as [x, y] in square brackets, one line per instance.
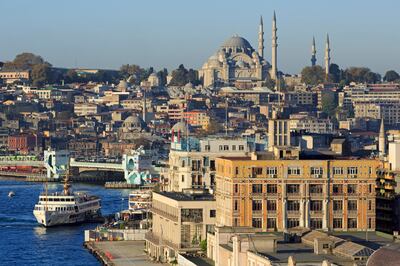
[161, 33]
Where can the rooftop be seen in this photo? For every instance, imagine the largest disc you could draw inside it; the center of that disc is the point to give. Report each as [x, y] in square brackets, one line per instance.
[188, 196]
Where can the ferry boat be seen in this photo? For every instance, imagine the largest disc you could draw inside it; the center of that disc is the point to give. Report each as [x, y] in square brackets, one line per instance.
[67, 207]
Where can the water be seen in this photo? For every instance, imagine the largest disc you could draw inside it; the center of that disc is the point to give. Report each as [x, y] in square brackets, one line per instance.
[24, 242]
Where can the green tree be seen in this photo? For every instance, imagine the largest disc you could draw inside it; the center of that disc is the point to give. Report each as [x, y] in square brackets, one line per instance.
[25, 61]
[162, 74]
[372, 77]
[335, 74]
[312, 75]
[391, 76]
[136, 71]
[329, 102]
[41, 73]
[179, 76]
[203, 245]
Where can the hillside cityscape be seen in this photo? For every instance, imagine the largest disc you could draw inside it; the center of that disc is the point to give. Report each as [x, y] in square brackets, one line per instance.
[233, 163]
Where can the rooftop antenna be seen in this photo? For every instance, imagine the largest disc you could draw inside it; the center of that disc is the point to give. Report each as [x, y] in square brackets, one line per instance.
[187, 123]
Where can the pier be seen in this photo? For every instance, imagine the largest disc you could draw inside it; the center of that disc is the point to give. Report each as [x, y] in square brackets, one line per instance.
[120, 253]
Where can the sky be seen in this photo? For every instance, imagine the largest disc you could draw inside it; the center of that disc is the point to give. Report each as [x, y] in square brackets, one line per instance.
[160, 33]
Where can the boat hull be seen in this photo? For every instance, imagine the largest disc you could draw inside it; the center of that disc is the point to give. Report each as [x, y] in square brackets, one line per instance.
[53, 218]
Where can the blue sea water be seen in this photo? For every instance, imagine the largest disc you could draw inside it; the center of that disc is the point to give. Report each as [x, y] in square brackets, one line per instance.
[24, 242]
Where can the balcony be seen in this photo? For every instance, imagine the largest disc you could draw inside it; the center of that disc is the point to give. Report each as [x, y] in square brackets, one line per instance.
[316, 194]
[316, 212]
[293, 194]
[352, 212]
[164, 214]
[338, 212]
[293, 212]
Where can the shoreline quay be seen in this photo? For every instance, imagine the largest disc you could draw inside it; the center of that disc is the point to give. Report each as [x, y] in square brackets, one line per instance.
[98, 254]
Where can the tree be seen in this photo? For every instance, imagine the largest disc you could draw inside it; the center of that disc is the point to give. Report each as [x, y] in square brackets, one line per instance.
[312, 75]
[41, 73]
[329, 102]
[179, 76]
[213, 127]
[162, 74]
[26, 61]
[335, 74]
[391, 76]
[372, 77]
[203, 245]
[136, 71]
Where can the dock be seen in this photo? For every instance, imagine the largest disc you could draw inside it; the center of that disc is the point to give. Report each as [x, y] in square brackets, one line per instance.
[120, 253]
[124, 185]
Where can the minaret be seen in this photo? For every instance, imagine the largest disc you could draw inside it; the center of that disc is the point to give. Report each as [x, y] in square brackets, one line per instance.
[261, 39]
[382, 139]
[327, 56]
[313, 53]
[274, 70]
[144, 107]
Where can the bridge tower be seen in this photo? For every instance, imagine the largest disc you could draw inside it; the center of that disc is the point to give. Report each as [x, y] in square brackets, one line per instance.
[137, 166]
[56, 163]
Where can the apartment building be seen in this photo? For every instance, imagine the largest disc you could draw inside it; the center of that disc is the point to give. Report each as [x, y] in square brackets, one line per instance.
[84, 109]
[280, 194]
[180, 222]
[389, 110]
[197, 118]
[192, 160]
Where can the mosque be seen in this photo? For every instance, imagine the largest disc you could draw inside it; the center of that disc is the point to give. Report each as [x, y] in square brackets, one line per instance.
[237, 61]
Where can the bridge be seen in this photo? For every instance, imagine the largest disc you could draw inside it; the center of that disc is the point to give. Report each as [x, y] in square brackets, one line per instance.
[135, 166]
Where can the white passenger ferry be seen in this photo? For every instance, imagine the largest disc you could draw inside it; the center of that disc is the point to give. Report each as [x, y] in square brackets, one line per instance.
[66, 207]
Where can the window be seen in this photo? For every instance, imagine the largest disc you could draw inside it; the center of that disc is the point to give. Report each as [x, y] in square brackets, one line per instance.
[352, 170]
[212, 165]
[271, 205]
[352, 205]
[337, 205]
[294, 170]
[212, 179]
[352, 223]
[369, 188]
[293, 189]
[316, 205]
[234, 147]
[272, 188]
[235, 205]
[236, 170]
[236, 222]
[293, 205]
[337, 189]
[256, 205]
[292, 222]
[316, 189]
[338, 170]
[271, 223]
[212, 213]
[183, 178]
[257, 188]
[221, 147]
[183, 163]
[241, 148]
[207, 147]
[272, 171]
[315, 223]
[196, 165]
[370, 205]
[351, 188]
[337, 223]
[257, 171]
[226, 147]
[316, 171]
[236, 188]
[256, 222]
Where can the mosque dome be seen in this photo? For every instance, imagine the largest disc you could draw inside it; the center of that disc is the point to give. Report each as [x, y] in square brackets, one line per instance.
[181, 127]
[134, 122]
[122, 85]
[237, 42]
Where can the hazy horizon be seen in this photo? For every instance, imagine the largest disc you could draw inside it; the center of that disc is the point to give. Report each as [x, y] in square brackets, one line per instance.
[104, 34]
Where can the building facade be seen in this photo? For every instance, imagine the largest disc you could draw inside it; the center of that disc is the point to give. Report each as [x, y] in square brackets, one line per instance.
[280, 194]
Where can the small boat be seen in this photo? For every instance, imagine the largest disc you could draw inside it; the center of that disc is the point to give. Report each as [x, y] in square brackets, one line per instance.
[11, 194]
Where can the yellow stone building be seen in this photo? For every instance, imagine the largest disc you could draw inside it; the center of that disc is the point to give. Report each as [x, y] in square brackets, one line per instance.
[271, 195]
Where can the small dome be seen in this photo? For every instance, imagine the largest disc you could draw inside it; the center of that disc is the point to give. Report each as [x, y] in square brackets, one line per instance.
[189, 85]
[134, 121]
[153, 75]
[182, 127]
[123, 85]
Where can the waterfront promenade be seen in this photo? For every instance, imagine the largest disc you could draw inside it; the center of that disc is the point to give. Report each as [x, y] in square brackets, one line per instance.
[121, 253]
